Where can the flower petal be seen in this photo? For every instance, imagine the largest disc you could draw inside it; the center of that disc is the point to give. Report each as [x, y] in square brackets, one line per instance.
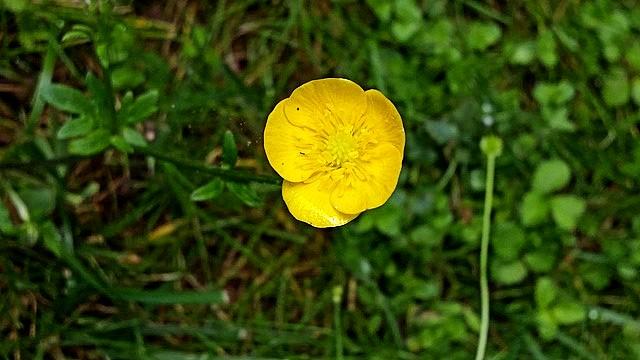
[311, 203]
[326, 103]
[381, 167]
[288, 147]
[383, 120]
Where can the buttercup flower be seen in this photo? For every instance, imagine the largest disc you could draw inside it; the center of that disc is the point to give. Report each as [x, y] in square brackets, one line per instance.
[339, 149]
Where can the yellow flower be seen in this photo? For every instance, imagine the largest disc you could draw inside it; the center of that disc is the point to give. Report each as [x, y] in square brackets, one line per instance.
[339, 149]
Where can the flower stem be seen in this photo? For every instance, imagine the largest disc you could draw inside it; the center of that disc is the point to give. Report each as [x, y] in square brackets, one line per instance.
[337, 299]
[492, 147]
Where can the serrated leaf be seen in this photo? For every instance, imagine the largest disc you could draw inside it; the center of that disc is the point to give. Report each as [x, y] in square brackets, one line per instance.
[66, 98]
[567, 210]
[229, 149]
[209, 191]
[551, 175]
[246, 193]
[76, 127]
[90, 144]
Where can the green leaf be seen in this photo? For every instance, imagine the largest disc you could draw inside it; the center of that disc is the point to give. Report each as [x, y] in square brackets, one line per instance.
[523, 53]
[408, 19]
[169, 297]
[127, 77]
[143, 107]
[6, 225]
[132, 137]
[549, 94]
[635, 90]
[209, 191]
[442, 131]
[77, 35]
[28, 233]
[121, 144]
[100, 99]
[551, 175]
[246, 193]
[15, 6]
[66, 98]
[627, 271]
[508, 240]
[558, 118]
[76, 127]
[382, 9]
[563, 92]
[565, 39]
[567, 313]
[547, 325]
[633, 55]
[425, 235]
[616, 90]
[545, 292]
[540, 261]
[41, 201]
[546, 49]
[567, 210]
[481, 35]
[93, 143]
[229, 149]
[51, 238]
[508, 273]
[595, 274]
[388, 220]
[534, 209]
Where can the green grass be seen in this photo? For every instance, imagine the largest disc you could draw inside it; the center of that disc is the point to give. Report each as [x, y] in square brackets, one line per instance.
[112, 116]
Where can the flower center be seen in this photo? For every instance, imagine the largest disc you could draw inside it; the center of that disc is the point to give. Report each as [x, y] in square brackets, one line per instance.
[341, 148]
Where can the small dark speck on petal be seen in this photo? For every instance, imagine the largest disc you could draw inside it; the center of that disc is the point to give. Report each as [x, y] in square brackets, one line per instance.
[297, 108]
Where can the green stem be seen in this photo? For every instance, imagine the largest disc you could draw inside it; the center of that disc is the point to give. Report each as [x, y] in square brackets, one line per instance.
[226, 174]
[233, 175]
[105, 24]
[484, 254]
[337, 299]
